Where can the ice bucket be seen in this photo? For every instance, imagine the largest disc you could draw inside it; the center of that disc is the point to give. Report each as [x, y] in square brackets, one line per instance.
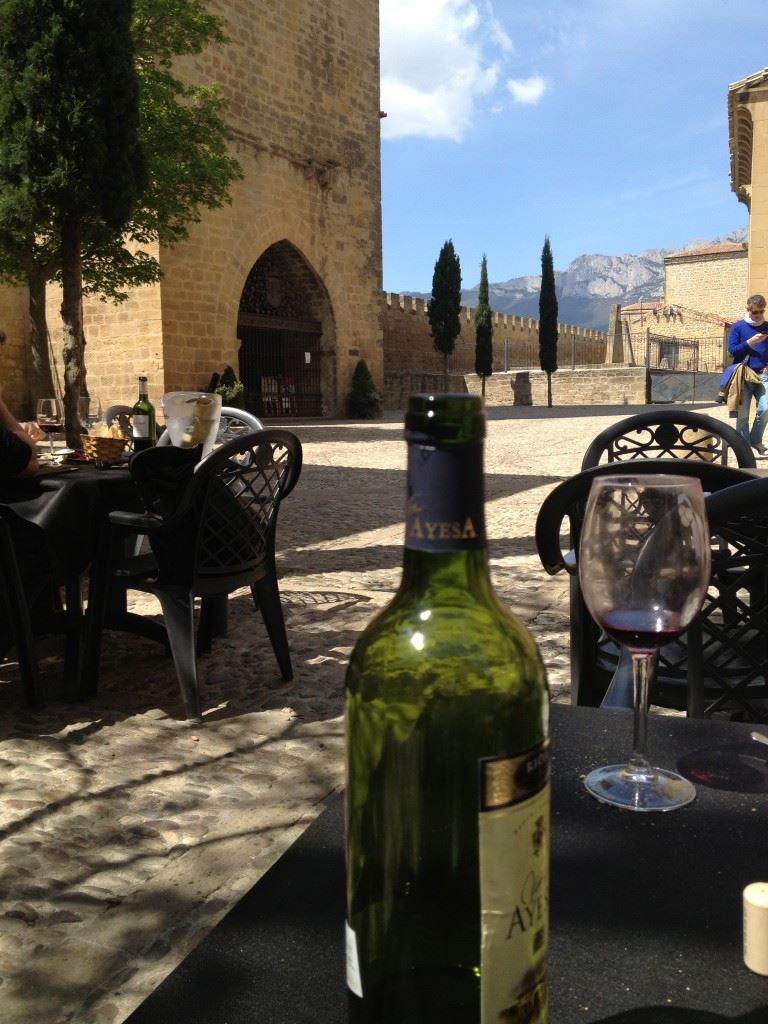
[192, 418]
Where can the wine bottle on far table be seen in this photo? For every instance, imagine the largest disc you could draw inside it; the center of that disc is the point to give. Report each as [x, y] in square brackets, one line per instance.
[447, 765]
[143, 420]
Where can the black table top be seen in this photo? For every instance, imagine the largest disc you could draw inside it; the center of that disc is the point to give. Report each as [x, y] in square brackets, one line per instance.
[68, 504]
[645, 908]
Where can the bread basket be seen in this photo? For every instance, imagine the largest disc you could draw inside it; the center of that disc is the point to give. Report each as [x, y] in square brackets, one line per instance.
[104, 451]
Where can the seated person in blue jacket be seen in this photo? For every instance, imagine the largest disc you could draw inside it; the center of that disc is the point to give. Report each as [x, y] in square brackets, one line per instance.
[748, 339]
[18, 445]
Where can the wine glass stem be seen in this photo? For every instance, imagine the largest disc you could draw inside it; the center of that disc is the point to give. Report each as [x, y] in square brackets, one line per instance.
[643, 665]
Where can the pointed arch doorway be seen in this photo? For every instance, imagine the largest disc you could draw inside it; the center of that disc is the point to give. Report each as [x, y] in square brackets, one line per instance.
[286, 331]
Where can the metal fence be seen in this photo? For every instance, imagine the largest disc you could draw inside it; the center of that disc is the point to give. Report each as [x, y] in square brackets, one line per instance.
[654, 351]
[700, 355]
[572, 352]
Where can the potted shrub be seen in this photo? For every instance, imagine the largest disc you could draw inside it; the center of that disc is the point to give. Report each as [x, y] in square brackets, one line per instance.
[363, 401]
[231, 389]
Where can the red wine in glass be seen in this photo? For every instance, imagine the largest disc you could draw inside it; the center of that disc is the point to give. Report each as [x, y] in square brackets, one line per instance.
[642, 629]
[50, 418]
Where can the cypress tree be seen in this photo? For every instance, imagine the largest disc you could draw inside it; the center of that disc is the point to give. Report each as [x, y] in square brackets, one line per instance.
[363, 401]
[547, 318]
[483, 329]
[445, 305]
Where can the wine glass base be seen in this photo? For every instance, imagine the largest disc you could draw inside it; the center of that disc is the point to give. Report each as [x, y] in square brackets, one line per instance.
[654, 789]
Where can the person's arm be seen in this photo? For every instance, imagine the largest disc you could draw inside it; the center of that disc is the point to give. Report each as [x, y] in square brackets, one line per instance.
[12, 426]
[737, 344]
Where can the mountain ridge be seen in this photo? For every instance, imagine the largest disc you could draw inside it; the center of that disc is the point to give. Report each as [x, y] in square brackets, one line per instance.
[591, 284]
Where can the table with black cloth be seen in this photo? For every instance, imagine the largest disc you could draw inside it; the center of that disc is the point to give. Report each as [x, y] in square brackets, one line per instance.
[646, 909]
[64, 509]
[69, 503]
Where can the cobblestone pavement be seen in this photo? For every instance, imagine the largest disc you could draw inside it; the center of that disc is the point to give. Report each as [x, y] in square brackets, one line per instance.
[125, 835]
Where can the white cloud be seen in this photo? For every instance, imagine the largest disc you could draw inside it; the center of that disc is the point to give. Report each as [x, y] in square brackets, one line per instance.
[438, 58]
[527, 90]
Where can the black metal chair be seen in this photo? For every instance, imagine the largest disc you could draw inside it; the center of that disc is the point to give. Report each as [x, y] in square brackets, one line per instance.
[669, 433]
[215, 536]
[595, 657]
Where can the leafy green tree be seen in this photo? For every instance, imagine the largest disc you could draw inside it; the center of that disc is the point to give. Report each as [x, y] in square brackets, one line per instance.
[363, 401]
[547, 318]
[70, 157]
[483, 328]
[183, 137]
[444, 307]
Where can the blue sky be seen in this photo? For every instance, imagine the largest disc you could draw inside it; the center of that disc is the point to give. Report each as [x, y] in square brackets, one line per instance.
[602, 123]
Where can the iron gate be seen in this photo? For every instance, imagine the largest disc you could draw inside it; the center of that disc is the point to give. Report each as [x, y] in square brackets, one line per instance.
[280, 368]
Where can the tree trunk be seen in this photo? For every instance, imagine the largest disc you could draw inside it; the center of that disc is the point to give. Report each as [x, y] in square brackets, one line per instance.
[482, 385]
[549, 390]
[72, 326]
[40, 377]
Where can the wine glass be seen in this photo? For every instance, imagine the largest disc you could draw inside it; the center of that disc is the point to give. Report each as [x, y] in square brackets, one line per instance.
[644, 564]
[88, 412]
[49, 418]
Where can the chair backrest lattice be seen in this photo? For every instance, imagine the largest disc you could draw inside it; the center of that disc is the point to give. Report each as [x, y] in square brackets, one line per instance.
[223, 527]
[669, 433]
[720, 663]
[120, 414]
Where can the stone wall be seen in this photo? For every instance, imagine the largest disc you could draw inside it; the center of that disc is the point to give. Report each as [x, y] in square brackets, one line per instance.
[625, 385]
[713, 280]
[408, 341]
[14, 351]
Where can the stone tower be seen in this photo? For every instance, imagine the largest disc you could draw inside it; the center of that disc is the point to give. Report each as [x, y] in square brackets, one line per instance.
[748, 141]
[284, 284]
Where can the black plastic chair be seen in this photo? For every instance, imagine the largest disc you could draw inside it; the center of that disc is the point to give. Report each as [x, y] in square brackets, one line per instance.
[209, 536]
[729, 667]
[667, 434]
[594, 656]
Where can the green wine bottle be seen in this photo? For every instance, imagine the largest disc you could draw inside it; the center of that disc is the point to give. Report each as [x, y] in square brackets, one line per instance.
[447, 765]
[143, 420]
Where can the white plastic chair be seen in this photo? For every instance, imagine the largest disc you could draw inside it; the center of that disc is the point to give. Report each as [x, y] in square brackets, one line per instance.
[234, 423]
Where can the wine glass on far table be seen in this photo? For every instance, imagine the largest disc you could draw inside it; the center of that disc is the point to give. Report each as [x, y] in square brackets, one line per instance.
[88, 412]
[644, 564]
[50, 418]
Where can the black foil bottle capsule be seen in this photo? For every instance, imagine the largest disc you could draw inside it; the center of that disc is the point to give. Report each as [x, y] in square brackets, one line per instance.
[447, 765]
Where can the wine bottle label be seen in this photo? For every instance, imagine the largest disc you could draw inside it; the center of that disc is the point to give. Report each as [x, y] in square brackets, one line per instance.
[444, 504]
[514, 886]
[140, 424]
[354, 981]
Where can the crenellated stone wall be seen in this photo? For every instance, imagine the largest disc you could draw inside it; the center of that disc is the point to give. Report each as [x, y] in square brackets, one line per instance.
[408, 340]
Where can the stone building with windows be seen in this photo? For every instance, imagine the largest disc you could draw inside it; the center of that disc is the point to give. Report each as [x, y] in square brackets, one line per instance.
[284, 283]
[748, 144]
